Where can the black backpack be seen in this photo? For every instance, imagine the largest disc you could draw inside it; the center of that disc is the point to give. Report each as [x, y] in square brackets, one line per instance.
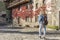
[45, 20]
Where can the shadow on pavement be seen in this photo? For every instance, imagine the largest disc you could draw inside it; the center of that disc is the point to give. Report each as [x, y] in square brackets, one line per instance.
[8, 26]
[4, 31]
[11, 27]
[34, 32]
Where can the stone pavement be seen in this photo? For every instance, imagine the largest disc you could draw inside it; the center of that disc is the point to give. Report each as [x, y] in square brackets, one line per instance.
[27, 34]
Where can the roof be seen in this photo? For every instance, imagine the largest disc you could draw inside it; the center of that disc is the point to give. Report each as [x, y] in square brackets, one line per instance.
[17, 3]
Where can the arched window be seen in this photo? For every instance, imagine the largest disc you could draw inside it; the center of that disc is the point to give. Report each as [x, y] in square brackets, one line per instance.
[36, 5]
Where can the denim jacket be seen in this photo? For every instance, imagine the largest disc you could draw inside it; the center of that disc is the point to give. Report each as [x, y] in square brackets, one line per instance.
[40, 18]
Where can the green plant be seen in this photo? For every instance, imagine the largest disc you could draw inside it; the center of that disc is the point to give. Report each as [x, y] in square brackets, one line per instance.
[52, 27]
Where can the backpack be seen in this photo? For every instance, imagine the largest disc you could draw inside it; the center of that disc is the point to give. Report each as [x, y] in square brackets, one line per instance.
[45, 20]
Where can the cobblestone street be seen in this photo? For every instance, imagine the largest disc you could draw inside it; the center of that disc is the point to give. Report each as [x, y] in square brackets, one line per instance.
[27, 34]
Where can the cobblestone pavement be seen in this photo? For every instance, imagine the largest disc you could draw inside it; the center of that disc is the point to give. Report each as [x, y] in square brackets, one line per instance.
[27, 34]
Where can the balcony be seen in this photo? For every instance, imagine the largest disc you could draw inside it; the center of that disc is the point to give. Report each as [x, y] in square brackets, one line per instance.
[17, 2]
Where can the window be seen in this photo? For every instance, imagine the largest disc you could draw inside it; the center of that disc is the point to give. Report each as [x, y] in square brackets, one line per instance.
[30, 19]
[31, 6]
[43, 1]
[54, 22]
[36, 18]
[36, 5]
[18, 20]
[26, 6]
[27, 19]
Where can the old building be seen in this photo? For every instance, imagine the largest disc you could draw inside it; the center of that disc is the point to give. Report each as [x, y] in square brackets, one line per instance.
[53, 11]
[24, 12]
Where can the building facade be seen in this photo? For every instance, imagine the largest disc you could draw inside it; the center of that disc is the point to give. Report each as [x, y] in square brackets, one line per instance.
[53, 12]
[25, 12]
